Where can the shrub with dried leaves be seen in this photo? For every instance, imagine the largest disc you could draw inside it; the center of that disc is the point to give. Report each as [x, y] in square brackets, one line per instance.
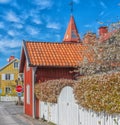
[49, 91]
[99, 93]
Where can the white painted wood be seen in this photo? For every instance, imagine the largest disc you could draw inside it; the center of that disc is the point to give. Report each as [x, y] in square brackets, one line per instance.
[11, 76]
[48, 111]
[44, 110]
[53, 112]
[3, 76]
[10, 98]
[41, 111]
[91, 118]
[68, 109]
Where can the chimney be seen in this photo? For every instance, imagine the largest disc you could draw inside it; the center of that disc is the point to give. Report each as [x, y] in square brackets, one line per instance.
[103, 30]
[89, 38]
[11, 58]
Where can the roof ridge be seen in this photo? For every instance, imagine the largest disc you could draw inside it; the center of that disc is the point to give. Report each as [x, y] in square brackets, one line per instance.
[51, 42]
[9, 63]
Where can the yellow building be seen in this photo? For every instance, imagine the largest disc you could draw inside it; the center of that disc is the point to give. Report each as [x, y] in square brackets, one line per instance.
[9, 77]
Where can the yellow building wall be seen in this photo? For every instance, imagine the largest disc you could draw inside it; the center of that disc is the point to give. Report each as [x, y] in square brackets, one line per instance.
[9, 69]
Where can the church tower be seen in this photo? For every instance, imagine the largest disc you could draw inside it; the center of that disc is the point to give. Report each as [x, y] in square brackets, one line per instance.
[71, 34]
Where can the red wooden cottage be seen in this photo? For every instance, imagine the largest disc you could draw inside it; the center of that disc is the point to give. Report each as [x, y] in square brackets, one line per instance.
[41, 61]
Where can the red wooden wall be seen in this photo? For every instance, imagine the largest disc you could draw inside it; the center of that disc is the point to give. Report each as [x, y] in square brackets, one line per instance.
[28, 81]
[43, 74]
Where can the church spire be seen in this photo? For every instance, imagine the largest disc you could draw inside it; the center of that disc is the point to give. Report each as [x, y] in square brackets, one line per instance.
[71, 34]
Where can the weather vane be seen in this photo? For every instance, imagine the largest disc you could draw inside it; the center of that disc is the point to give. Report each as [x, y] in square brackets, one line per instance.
[71, 5]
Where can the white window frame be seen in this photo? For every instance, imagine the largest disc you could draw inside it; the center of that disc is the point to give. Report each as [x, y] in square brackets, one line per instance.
[4, 76]
[28, 94]
[11, 76]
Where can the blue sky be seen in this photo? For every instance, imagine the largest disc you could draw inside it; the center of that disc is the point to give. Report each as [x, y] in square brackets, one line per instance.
[46, 20]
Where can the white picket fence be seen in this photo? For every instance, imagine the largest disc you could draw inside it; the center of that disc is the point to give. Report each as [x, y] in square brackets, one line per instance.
[69, 113]
[91, 118]
[10, 98]
[50, 113]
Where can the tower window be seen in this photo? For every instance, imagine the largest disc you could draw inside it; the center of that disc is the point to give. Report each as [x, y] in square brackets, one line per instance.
[74, 35]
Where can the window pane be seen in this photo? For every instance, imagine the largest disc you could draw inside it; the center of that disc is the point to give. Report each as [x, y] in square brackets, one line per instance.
[28, 94]
[7, 90]
[16, 65]
[7, 76]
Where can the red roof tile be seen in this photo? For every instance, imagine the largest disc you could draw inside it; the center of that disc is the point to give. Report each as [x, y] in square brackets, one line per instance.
[55, 54]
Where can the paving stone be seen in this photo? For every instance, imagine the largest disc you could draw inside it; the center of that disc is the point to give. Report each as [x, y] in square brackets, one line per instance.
[11, 114]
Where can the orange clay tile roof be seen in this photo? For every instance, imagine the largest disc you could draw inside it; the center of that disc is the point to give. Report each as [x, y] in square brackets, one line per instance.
[55, 54]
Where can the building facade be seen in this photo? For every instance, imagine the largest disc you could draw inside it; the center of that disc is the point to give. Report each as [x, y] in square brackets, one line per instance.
[9, 77]
[42, 61]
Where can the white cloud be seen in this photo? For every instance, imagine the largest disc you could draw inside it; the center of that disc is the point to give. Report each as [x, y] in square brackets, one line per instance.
[87, 25]
[11, 16]
[33, 14]
[76, 1]
[15, 4]
[18, 26]
[36, 20]
[9, 43]
[4, 1]
[3, 50]
[43, 4]
[12, 33]
[58, 37]
[31, 30]
[53, 25]
[118, 4]
[9, 51]
[101, 13]
[2, 25]
[103, 4]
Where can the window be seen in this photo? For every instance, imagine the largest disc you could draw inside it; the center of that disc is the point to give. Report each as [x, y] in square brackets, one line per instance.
[74, 35]
[27, 67]
[16, 65]
[7, 90]
[7, 76]
[28, 94]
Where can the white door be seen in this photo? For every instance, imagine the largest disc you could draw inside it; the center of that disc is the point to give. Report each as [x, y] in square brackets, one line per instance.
[67, 108]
